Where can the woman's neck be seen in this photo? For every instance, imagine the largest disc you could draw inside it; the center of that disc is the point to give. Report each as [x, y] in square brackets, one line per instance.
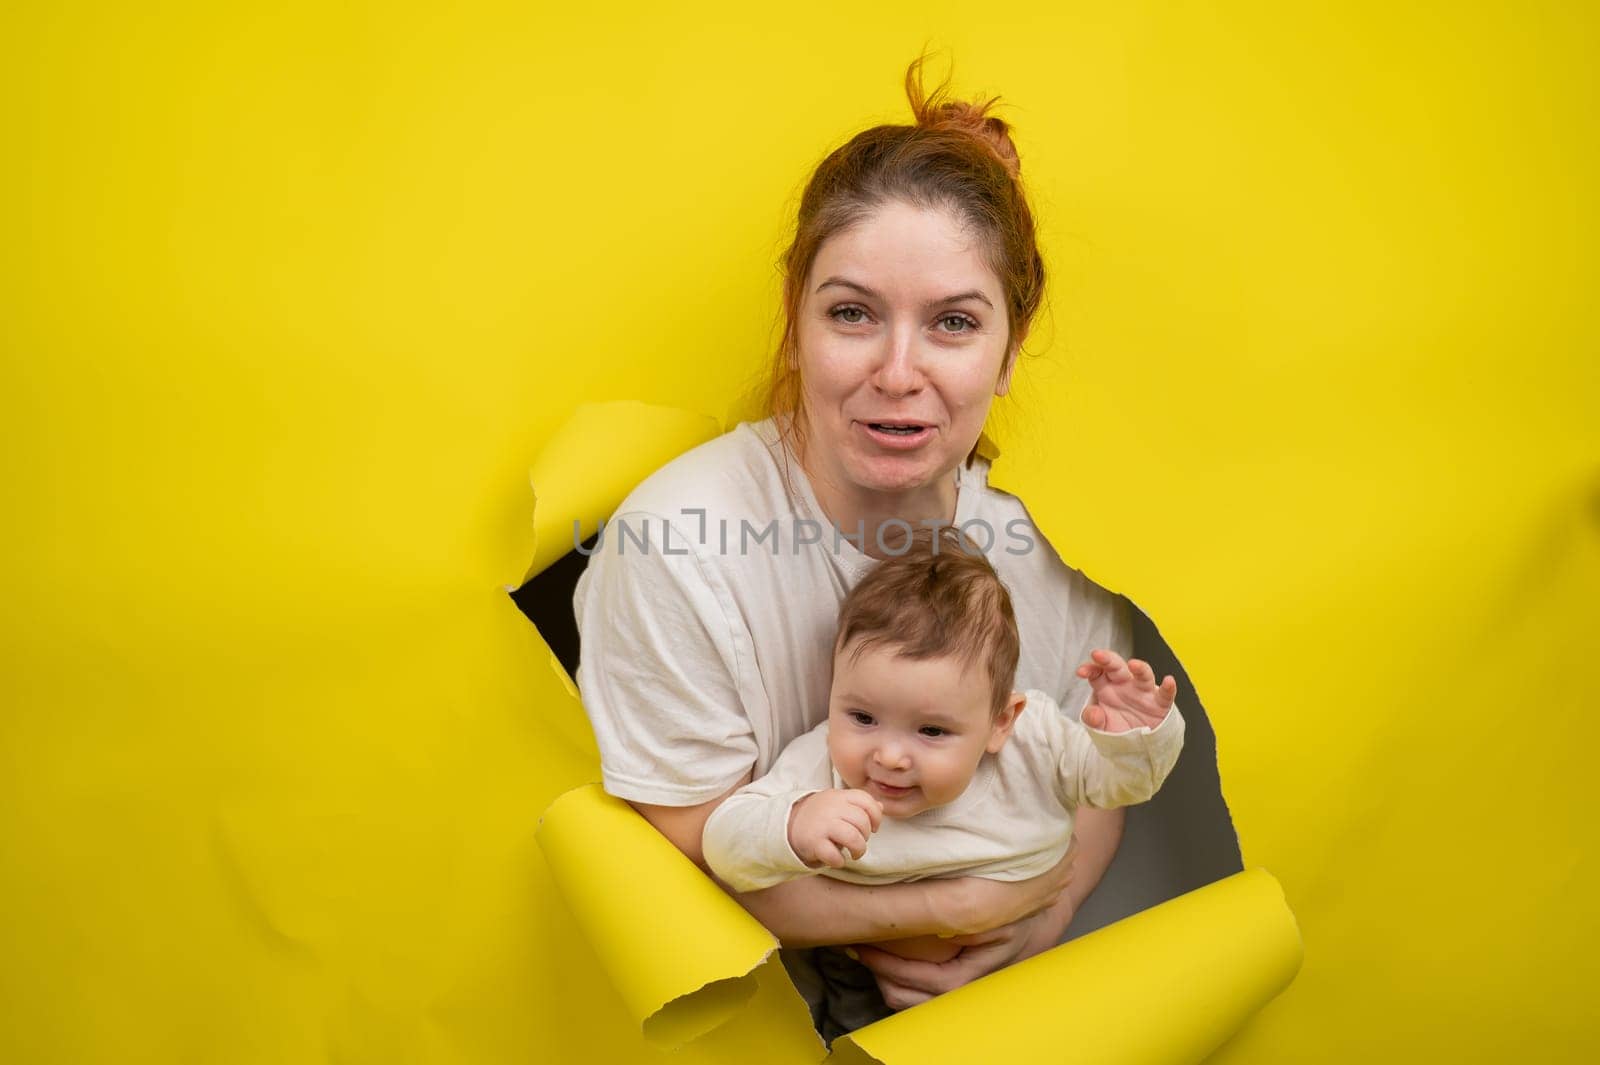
[880, 514]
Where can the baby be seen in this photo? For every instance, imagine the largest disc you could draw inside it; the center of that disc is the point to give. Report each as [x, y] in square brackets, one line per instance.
[913, 775]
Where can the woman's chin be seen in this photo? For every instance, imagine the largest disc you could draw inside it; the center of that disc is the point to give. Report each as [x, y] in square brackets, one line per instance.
[891, 475]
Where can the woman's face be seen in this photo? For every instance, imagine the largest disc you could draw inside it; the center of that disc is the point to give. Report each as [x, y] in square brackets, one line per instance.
[902, 344]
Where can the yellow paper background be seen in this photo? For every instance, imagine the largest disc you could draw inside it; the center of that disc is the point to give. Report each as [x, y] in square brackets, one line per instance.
[293, 297]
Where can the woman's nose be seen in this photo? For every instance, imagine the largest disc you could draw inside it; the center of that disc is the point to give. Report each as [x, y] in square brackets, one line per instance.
[899, 372]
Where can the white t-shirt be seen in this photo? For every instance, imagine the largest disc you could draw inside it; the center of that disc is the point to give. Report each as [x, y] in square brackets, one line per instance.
[1013, 821]
[706, 622]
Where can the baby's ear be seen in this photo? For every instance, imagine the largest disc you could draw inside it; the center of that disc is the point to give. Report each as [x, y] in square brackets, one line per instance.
[1000, 728]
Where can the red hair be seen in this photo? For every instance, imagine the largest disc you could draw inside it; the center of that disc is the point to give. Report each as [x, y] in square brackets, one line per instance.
[956, 157]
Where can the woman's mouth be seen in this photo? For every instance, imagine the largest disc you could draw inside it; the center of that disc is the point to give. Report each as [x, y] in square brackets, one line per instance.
[897, 436]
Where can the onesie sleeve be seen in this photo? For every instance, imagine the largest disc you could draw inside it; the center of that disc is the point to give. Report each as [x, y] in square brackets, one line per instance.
[659, 646]
[1107, 769]
[746, 839]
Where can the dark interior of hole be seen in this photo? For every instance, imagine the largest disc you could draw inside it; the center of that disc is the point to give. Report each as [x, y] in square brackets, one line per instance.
[1180, 840]
[1183, 838]
[547, 602]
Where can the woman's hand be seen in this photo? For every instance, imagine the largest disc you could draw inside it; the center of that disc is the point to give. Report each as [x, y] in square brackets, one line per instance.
[1126, 695]
[983, 905]
[907, 982]
[1000, 922]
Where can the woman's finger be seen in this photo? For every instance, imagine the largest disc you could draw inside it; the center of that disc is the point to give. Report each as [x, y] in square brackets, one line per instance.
[993, 935]
[927, 977]
[901, 998]
[914, 982]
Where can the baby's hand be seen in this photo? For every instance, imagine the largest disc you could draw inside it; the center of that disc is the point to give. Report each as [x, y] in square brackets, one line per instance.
[1126, 695]
[831, 827]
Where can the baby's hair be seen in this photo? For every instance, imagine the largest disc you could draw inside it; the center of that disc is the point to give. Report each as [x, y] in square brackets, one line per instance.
[941, 597]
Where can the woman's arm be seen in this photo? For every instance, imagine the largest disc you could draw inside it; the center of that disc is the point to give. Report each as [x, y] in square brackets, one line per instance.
[1098, 834]
[817, 910]
[908, 981]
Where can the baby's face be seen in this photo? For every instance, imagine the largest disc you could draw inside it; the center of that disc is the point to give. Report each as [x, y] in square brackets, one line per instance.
[910, 732]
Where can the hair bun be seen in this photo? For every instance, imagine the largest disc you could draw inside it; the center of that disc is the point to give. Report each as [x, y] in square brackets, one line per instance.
[935, 110]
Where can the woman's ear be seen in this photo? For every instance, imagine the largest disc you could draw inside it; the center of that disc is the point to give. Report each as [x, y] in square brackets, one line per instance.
[1000, 727]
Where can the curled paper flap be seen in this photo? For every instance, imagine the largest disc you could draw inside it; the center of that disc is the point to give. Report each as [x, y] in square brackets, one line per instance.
[1170, 984]
[680, 952]
[593, 461]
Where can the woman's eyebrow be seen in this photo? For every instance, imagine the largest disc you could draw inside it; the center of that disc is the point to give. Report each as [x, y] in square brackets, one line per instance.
[843, 282]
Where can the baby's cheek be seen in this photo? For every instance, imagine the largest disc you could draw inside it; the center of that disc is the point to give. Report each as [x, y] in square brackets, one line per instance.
[942, 791]
[848, 766]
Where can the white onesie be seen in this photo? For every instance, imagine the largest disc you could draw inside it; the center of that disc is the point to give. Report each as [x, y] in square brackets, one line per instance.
[1013, 821]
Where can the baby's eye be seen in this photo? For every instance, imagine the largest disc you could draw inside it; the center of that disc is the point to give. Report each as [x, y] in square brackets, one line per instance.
[860, 717]
[849, 315]
[933, 730]
[963, 324]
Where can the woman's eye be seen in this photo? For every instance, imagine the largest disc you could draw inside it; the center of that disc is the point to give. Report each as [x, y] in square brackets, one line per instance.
[848, 315]
[963, 324]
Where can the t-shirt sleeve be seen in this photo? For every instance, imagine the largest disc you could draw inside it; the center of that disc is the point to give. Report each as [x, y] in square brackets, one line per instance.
[659, 645]
[1096, 618]
[1121, 626]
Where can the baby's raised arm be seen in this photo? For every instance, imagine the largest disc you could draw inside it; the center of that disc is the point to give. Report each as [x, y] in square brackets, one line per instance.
[1129, 740]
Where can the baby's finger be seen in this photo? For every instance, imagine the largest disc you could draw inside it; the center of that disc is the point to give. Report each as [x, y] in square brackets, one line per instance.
[1094, 716]
[858, 819]
[1142, 672]
[830, 855]
[868, 805]
[1167, 693]
[851, 840]
[1116, 669]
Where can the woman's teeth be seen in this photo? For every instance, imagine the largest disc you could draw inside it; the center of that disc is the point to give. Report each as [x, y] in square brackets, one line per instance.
[899, 430]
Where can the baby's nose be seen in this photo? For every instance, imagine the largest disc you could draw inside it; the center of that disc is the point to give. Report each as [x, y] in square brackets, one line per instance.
[893, 756]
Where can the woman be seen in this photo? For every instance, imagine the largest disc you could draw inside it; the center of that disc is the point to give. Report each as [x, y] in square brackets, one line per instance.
[707, 617]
